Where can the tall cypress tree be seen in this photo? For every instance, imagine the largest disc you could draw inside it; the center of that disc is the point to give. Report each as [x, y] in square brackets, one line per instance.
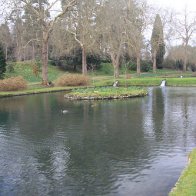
[157, 44]
[2, 61]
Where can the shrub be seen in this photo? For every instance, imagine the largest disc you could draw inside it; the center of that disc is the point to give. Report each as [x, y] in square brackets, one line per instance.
[106, 68]
[36, 70]
[10, 68]
[13, 84]
[72, 80]
[193, 68]
[146, 66]
[172, 64]
[132, 66]
[93, 61]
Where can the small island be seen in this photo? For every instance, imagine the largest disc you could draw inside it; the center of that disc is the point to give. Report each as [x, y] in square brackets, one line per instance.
[100, 93]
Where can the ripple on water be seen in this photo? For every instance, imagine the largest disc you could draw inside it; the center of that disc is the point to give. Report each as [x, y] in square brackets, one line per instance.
[124, 147]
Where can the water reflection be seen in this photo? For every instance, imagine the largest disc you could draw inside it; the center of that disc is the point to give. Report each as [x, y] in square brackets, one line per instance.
[97, 148]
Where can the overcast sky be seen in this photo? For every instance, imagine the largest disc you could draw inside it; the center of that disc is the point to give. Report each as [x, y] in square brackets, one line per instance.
[177, 5]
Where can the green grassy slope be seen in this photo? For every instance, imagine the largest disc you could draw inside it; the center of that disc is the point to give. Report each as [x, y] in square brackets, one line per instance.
[146, 81]
[25, 69]
[186, 186]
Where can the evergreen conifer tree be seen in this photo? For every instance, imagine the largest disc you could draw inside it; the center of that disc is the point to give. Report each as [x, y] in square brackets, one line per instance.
[157, 43]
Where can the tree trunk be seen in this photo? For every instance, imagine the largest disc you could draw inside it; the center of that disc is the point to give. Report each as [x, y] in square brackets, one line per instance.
[154, 61]
[185, 60]
[18, 52]
[115, 62]
[84, 63]
[138, 64]
[74, 68]
[45, 59]
[33, 52]
[6, 52]
[116, 70]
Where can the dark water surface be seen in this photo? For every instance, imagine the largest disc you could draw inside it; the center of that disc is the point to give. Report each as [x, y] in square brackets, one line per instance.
[133, 147]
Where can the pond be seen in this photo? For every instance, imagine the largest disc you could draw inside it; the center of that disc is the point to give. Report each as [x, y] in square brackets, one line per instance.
[126, 147]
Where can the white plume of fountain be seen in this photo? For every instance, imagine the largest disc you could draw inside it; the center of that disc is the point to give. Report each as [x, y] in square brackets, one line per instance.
[163, 83]
[64, 111]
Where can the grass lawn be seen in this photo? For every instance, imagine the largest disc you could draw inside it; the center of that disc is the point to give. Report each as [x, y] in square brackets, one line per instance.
[146, 81]
[186, 186]
[25, 69]
[34, 90]
[166, 73]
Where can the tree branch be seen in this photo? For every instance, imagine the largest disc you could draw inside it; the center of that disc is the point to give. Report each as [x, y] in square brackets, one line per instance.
[30, 42]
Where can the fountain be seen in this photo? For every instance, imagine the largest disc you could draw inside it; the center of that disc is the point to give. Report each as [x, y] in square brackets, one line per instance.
[116, 84]
[163, 83]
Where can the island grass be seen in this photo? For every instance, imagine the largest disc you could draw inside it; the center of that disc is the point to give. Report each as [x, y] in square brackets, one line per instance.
[186, 186]
[106, 93]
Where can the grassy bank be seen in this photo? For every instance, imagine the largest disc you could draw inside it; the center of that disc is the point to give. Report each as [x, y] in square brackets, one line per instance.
[186, 186]
[35, 90]
[99, 81]
[106, 93]
[26, 70]
[148, 82]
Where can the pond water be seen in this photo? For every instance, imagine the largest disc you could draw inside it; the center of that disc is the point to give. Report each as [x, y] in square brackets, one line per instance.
[122, 147]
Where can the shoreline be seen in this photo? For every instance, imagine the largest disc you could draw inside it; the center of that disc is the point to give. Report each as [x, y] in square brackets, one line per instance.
[104, 93]
[186, 184]
[103, 98]
[34, 91]
[4, 94]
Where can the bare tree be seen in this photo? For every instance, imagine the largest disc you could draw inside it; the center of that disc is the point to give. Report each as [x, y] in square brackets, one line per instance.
[136, 23]
[81, 23]
[185, 27]
[111, 24]
[5, 38]
[61, 41]
[176, 53]
[46, 14]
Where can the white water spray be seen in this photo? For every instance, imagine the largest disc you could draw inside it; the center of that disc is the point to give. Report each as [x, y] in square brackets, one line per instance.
[163, 83]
